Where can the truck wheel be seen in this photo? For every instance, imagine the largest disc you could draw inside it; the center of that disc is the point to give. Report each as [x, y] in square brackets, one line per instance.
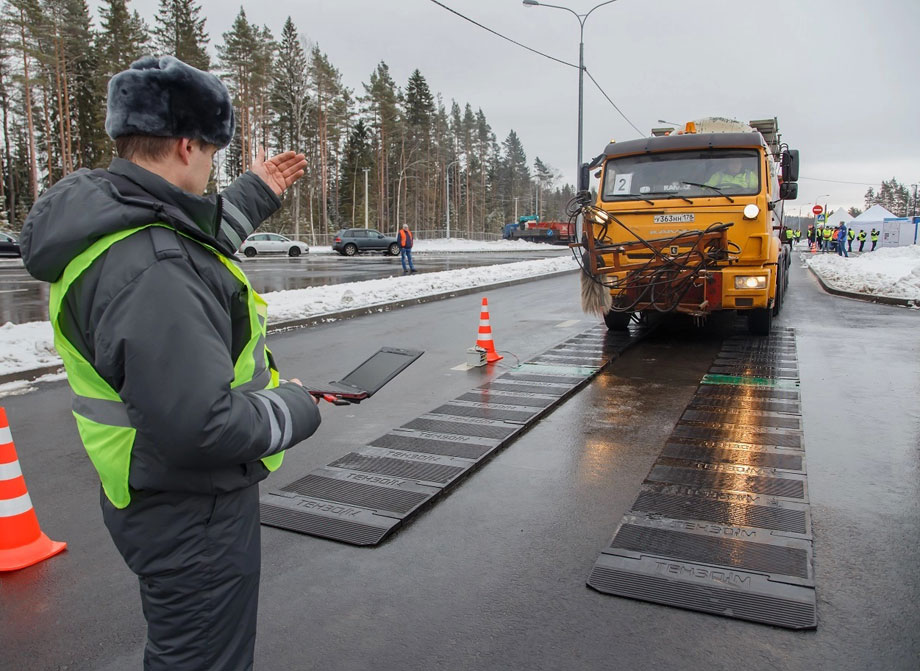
[618, 321]
[780, 292]
[760, 320]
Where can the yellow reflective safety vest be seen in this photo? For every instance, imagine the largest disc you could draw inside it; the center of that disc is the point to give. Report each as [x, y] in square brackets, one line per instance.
[102, 417]
[744, 180]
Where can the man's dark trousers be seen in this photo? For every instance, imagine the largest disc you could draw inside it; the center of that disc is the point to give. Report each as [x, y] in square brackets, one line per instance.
[197, 558]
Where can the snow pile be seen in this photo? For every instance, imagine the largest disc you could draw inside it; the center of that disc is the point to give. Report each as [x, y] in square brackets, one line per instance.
[889, 271]
[463, 245]
[26, 346]
[301, 303]
[30, 346]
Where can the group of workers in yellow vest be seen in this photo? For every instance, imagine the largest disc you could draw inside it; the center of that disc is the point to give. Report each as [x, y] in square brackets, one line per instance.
[825, 238]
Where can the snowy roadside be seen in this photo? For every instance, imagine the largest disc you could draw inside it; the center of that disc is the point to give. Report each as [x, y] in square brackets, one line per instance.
[461, 245]
[30, 347]
[890, 272]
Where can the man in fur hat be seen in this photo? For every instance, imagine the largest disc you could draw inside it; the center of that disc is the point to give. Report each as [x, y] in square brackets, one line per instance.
[177, 400]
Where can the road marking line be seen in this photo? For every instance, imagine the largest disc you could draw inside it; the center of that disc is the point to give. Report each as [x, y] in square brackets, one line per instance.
[12, 291]
[565, 325]
[463, 366]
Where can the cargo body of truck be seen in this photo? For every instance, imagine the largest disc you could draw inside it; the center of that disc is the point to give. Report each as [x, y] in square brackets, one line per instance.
[689, 221]
[530, 229]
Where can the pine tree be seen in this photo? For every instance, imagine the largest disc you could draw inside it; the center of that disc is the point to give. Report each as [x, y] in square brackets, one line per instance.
[122, 38]
[357, 157]
[180, 32]
[514, 175]
[246, 57]
[20, 17]
[381, 106]
[331, 114]
[416, 155]
[290, 98]
[86, 88]
[545, 177]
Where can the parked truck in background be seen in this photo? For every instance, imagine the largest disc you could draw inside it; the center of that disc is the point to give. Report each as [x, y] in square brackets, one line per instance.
[689, 221]
[531, 229]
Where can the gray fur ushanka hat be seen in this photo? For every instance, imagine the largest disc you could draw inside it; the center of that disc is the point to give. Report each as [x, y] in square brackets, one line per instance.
[167, 98]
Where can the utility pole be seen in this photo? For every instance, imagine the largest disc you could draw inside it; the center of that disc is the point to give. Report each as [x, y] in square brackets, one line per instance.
[365, 197]
[515, 209]
[447, 198]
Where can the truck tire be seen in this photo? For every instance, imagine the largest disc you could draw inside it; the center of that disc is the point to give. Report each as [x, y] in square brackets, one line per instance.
[760, 321]
[780, 291]
[618, 321]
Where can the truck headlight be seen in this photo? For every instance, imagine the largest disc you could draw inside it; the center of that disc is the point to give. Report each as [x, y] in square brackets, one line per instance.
[751, 211]
[750, 282]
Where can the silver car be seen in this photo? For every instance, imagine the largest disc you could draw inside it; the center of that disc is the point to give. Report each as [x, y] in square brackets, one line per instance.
[272, 243]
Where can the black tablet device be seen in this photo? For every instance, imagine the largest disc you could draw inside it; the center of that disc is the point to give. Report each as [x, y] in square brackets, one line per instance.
[367, 379]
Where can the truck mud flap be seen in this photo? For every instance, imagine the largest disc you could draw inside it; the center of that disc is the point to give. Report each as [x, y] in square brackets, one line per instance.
[369, 493]
[722, 522]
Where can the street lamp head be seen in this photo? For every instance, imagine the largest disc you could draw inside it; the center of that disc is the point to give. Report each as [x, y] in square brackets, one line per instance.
[531, 3]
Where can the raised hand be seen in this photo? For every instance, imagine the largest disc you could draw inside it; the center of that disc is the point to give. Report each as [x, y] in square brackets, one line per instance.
[280, 171]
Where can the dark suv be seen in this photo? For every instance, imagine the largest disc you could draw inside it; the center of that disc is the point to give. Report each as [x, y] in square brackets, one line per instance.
[350, 241]
[10, 247]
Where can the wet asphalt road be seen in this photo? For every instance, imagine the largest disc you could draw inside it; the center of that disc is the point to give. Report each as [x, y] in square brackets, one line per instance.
[493, 575]
[23, 299]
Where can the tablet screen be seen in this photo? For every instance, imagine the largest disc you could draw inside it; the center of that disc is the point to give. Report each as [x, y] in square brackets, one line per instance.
[382, 367]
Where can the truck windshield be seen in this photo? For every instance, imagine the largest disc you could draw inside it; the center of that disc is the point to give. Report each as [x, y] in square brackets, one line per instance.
[683, 174]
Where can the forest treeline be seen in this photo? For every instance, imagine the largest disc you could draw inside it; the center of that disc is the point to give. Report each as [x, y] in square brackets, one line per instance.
[399, 144]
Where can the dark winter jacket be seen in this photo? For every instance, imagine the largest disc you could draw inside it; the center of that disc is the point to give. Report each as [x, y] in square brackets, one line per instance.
[404, 239]
[164, 327]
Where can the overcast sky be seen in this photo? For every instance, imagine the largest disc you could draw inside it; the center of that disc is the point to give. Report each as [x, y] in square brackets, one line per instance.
[843, 78]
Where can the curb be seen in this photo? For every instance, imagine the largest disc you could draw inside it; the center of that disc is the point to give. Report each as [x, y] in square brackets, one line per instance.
[279, 327]
[869, 298]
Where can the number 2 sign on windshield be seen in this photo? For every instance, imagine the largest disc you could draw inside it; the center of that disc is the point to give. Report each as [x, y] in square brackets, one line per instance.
[622, 185]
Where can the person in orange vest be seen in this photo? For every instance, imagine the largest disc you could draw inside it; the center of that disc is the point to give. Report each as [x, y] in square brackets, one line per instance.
[404, 240]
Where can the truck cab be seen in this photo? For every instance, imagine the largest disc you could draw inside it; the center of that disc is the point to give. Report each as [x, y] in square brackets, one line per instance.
[689, 221]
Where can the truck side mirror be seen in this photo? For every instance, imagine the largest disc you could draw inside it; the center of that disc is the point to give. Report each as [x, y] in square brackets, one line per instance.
[788, 191]
[790, 165]
[584, 177]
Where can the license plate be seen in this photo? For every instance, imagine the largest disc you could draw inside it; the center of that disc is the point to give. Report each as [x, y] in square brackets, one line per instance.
[674, 218]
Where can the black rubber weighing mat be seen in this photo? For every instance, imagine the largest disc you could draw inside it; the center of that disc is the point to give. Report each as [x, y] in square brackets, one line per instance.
[366, 495]
[722, 523]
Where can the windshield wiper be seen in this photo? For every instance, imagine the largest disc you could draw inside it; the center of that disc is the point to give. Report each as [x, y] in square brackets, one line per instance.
[709, 186]
[672, 193]
[633, 195]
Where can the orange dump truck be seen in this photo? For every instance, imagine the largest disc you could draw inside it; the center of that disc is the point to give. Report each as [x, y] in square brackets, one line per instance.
[689, 220]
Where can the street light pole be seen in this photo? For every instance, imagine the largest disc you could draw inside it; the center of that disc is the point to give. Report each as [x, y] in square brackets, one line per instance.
[365, 197]
[581, 81]
[447, 196]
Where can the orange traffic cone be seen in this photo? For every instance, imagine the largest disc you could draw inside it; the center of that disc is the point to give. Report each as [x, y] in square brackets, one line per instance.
[22, 542]
[485, 334]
